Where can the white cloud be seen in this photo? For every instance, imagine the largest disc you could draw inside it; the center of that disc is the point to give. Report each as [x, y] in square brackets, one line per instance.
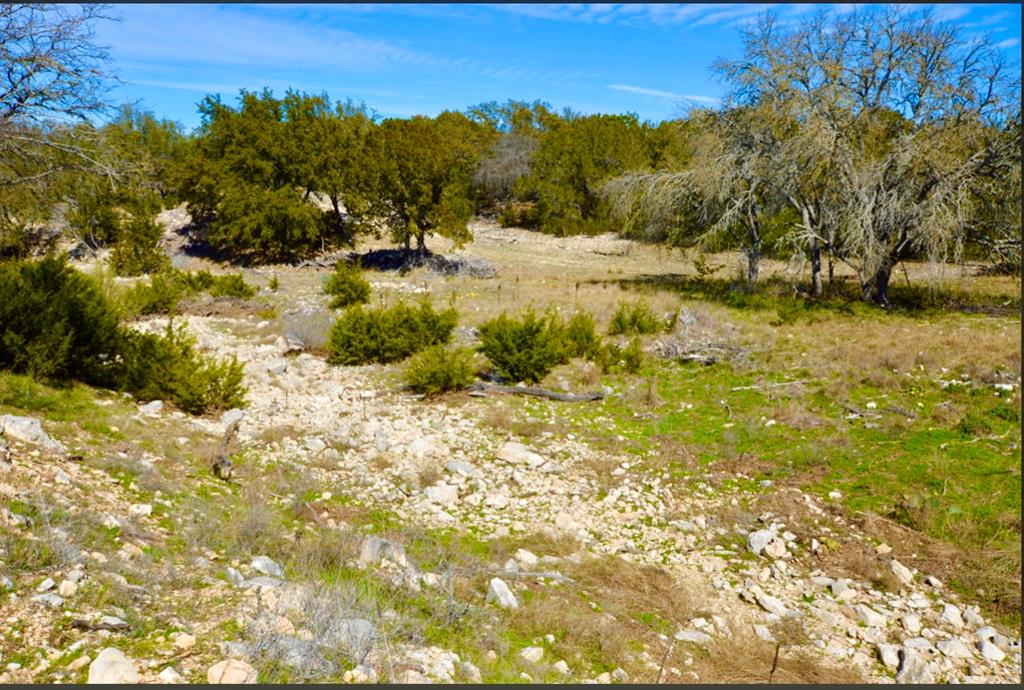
[1008, 43]
[656, 93]
[951, 13]
[229, 36]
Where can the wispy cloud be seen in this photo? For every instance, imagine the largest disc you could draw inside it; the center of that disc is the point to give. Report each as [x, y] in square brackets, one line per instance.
[693, 15]
[656, 93]
[1008, 43]
[221, 35]
[951, 13]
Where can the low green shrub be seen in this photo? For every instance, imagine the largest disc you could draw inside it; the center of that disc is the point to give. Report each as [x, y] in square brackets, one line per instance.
[347, 286]
[58, 325]
[581, 337]
[138, 250]
[629, 359]
[635, 319]
[438, 369]
[168, 367]
[361, 336]
[524, 349]
[231, 285]
[164, 290]
[160, 295]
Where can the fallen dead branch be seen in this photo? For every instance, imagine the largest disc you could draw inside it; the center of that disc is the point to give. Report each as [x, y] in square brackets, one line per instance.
[767, 386]
[83, 624]
[538, 392]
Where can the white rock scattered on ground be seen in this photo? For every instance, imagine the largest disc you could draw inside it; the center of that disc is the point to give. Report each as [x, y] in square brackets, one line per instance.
[915, 669]
[902, 572]
[890, 655]
[112, 667]
[153, 407]
[869, 617]
[693, 636]
[170, 676]
[990, 651]
[911, 623]
[951, 614]
[231, 672]
[265, 565]
[758, 540]
[954, 649]
[531, 654]
[500, 594]
[28, 430]
[517, 454]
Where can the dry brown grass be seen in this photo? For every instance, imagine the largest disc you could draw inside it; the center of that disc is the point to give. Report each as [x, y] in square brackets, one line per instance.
[627, 600]
[501, 416]
[277, 433]
[749, 659]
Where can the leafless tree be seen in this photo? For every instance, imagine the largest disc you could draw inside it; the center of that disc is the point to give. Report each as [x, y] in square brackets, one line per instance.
[884, 128]
[53, 79]
[896, 118]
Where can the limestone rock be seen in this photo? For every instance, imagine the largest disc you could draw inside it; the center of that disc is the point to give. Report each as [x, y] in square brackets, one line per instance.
[152, 408]
[231, 672]
[170, 676]
[951, 614]
[901, 572]
[990, 651]
[531, 654]
[693, 636]
[768, 602]
[518, 454]
[111, 666]
[526, 559]
[28, 430]
[376, 550]
[911, 623]
[757, 541]
[914, 669]
[953, 648]
[890, 655]
[442, 493]
[500, 594]
[869, 617]
[265, 565]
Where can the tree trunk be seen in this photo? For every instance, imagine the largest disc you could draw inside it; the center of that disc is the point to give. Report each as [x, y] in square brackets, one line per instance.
[421, 244]
[753, 257]
[831, 272]
[876, 288]
[815, 268]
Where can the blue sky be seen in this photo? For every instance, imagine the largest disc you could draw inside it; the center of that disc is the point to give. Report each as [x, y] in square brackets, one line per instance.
[406, 59]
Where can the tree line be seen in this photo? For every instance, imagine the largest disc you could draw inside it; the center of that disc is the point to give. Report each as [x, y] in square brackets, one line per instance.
[866, 139]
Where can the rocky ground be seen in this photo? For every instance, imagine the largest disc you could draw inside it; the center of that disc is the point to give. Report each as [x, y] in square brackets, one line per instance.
[108, 588]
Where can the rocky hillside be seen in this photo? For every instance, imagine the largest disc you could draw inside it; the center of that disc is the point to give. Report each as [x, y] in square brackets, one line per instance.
[368, 535]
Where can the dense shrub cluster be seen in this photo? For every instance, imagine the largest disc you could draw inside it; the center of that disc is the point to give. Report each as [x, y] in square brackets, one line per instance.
[168, 367]
[362, 336]
[58, 325]
[528, 348]
[165, 289]
[438, 370]
[626, 359]
[347, 286]
[524, 349]
[636, 319]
